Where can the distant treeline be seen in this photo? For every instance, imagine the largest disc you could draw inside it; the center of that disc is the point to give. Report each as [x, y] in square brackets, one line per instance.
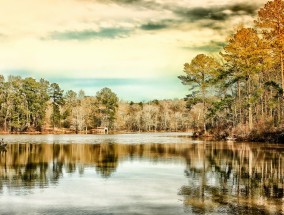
[29, 105]
[241, 92]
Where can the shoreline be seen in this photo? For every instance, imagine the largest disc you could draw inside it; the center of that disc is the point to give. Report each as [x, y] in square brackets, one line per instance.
[263, 137]
[84, 133]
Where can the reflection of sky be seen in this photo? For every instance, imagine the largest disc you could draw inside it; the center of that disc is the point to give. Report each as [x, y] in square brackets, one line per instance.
[142, 138]
[136, 187]
[71, 41]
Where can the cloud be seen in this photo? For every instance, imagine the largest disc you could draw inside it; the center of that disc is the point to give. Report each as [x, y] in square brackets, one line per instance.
[212, 10]
[217, 26]
[137, 3]
[104, 33]
[154, 26]
[182, 14]
[127, 1]
[216, 13]
[211, 47]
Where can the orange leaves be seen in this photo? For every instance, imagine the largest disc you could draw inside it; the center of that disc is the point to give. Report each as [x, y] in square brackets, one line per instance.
[202, 67]
[271, 17]
[271, 21]
[245, 51]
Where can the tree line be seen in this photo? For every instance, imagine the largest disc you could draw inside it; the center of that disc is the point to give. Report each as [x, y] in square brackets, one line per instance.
[242, 90]
[30, 105]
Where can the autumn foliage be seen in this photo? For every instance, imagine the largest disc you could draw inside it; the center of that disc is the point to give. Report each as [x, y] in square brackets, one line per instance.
[247, 90]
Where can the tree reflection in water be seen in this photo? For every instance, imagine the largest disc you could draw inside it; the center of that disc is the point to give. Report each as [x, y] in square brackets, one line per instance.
[222, 177]
[239, 178]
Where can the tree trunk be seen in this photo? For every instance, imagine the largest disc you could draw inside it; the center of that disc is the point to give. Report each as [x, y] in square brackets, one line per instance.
[239, 98]
[279, 112]
[5, 124]
[250, 108]
[204, 111]
[204, 118]
[282, 71]
[250, 118]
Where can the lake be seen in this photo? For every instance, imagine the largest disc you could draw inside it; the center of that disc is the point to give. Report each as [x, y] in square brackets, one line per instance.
[158, 173]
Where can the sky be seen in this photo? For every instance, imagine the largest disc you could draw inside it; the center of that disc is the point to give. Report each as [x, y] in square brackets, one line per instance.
[135, 47]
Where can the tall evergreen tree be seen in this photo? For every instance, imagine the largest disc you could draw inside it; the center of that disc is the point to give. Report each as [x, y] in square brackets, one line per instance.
[199, 76]
[271, 20]
[107, 103]
[56, 96]
[245, 54]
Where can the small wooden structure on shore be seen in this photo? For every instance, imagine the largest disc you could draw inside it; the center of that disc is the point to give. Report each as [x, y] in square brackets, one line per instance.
[100, 130]
[231, 139]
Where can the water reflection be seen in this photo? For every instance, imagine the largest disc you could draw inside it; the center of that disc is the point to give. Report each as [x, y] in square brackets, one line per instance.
[236, 178]
[44, 163]
[221, 177]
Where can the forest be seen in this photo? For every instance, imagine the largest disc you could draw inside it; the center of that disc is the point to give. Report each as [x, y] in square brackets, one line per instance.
[28, 105]
[239, 92]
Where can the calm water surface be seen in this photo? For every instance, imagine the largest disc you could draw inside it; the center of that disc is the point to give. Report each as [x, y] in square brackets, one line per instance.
[139, 174]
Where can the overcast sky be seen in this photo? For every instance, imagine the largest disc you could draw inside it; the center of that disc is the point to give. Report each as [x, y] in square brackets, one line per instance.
[135, 47]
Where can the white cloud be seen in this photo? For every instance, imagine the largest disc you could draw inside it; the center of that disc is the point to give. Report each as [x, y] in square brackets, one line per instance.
[33, 18]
